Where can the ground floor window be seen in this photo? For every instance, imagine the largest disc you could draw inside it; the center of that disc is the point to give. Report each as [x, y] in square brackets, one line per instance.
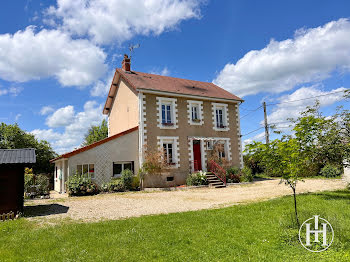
[168, 153]
[88, 169]
[118, 167]
[221, 150]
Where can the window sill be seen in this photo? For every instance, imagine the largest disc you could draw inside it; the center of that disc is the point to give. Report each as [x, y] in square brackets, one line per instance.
[225, 128]
[172, 165]
[167, 124]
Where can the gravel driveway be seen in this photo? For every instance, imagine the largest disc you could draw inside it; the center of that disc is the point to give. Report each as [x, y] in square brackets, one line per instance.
[133, 204]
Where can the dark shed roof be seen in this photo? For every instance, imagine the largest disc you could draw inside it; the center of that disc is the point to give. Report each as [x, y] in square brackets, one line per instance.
[17, 156]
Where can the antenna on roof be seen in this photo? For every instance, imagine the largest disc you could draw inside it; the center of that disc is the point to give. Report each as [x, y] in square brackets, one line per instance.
[132, 47]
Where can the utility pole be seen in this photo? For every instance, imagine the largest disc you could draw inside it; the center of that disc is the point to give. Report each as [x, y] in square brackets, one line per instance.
[266, 125]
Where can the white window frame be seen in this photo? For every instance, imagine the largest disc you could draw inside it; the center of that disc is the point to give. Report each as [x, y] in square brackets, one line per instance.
[173, 107]
[82, 170]
[210, 144]
[199, 105]
[174, 140]
[167, 152]
[123, 164]
[224, 108]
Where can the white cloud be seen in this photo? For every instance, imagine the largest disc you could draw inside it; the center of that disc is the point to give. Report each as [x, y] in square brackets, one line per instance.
[62, 117]
[74, 130]
[46, 110]
[312, 55]
[101, 88]
[286, 110]
[17, 117]
[108, 21]
[3, 92]
[164, 72]
[14, 91]
[48, 134]
[258, 138]
[28, 55]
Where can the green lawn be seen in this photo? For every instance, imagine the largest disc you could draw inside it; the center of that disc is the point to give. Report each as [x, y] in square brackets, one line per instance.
[254, 232]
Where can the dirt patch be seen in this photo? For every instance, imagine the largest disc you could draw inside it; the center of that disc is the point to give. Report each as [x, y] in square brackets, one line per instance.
[134, 204]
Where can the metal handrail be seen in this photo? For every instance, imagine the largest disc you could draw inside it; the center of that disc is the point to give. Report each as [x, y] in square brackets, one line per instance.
[218, 171]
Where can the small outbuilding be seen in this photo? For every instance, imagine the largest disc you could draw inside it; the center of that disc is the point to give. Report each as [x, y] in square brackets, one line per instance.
[12, 164]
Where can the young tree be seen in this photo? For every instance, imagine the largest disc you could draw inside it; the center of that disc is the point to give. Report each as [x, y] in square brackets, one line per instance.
[96, 133]
[12, 137]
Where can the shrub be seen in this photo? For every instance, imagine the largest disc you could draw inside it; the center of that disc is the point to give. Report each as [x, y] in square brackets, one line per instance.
[135, 183]
[126, 178]
[232, 175]
[252, 161]
[116, 185]
[330, 171]
[246, 175]
[197, 179]
[81, 185]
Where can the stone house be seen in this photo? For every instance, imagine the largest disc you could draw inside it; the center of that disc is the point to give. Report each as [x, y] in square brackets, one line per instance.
[183, 118]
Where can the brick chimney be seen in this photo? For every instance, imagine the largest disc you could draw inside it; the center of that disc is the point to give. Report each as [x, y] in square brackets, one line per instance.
[126, 63]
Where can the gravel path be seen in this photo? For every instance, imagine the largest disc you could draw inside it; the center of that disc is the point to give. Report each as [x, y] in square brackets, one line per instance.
[133, 204]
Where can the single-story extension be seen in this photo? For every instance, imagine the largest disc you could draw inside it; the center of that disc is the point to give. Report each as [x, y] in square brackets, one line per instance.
[101, 160]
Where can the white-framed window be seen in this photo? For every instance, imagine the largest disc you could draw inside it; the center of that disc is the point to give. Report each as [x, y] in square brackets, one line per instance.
[220, 117]
[119, 167]
[219, 114]
[169, 146]
[167, 113]
[88, 169]
[210, 145]
[195, 112]
[168, 152]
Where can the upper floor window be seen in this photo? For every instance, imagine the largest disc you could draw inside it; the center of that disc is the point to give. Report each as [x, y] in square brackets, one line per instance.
[220, 117]
[195, 113]
[167, 113]
[195, 109]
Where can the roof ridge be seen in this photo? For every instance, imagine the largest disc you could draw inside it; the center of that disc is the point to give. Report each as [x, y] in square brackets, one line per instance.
[120, 69]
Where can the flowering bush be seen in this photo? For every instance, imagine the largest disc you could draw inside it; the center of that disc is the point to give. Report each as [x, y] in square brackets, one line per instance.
[81, 185]
[197, 179]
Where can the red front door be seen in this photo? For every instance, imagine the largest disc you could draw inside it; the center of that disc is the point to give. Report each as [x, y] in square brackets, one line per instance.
[197, 155]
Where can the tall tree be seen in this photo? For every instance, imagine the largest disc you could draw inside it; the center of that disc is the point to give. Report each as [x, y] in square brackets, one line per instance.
[96, 133]
[13, 137]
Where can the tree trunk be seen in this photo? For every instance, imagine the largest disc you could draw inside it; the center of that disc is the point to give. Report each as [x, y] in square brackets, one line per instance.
[295, 207]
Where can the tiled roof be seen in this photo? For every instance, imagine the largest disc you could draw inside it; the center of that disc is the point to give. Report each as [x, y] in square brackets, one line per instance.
[85, 148]
[17, 156]
[140, 80]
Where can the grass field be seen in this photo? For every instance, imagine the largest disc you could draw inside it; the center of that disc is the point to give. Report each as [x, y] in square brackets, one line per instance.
[262, 231]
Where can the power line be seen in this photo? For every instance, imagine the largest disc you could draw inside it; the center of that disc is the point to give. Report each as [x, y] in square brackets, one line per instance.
[251, 111]
[291, 101]
[253, 131]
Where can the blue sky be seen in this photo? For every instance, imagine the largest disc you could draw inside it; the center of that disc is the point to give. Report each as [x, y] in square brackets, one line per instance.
[57, 57]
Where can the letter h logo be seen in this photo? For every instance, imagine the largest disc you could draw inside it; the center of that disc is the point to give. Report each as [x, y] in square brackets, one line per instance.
[316, 232]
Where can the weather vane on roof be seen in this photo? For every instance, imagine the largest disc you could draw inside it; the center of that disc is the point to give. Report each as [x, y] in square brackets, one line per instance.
[132, 47]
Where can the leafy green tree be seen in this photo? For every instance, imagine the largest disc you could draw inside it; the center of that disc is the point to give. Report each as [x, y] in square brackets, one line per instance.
[96, 133]
[317, 141]
[13, 137]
